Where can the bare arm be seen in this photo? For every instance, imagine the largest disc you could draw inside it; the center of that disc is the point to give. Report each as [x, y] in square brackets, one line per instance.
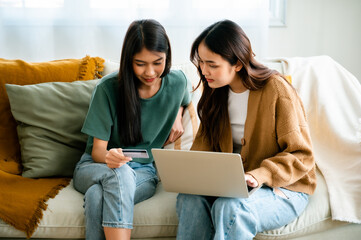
[114, 158]
[177, 128]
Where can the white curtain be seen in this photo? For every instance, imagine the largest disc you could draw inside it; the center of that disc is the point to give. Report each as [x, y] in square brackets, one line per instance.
[42, 30]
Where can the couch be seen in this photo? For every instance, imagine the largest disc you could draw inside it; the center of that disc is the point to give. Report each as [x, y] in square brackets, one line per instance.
[156, 217]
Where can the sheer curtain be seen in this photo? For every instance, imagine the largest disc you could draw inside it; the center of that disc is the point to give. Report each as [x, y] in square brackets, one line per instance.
[42, 30]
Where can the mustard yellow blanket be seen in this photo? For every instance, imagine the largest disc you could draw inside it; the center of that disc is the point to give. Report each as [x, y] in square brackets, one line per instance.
[23, 199]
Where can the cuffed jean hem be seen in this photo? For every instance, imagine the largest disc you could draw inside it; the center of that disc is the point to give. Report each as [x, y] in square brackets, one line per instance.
[118, 225]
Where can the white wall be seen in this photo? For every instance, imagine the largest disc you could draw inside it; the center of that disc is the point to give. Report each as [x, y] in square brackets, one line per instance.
[320, 27]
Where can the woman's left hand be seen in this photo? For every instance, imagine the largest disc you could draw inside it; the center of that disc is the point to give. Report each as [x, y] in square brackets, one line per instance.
[250, 180]
[177, 128]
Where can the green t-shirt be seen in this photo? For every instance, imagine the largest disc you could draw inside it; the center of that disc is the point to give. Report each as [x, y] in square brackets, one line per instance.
[158, 113]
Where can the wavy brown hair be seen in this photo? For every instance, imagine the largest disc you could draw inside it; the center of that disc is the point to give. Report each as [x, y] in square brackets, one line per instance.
[227, 39]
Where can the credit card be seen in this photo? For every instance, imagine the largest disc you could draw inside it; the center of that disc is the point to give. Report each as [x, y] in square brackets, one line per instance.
[135, 153]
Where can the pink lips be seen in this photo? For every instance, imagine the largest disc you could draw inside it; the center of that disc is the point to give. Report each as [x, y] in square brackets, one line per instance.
[209, 80]
[149, 79]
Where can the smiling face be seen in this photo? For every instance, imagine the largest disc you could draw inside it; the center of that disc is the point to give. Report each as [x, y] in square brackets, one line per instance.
[217, 71]
[148, 66]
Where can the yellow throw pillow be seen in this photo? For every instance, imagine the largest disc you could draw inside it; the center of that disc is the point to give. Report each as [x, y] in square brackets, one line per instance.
[288, 78]
[23, 73]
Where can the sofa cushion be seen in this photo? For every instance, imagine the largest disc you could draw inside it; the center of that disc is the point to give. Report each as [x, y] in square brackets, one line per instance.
[156, 217]
[64, 217]
[22, 73]
[50, 117]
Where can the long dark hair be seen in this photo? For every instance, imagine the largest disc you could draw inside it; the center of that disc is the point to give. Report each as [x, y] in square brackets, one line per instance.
[227, 39]
[151, 35]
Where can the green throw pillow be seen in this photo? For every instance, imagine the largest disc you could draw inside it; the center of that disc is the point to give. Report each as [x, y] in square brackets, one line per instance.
[50, 116]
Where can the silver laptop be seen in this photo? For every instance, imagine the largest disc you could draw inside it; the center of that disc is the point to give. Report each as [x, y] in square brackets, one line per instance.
[202, 173]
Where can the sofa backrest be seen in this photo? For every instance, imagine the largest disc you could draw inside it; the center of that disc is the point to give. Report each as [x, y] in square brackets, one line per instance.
[188, 68]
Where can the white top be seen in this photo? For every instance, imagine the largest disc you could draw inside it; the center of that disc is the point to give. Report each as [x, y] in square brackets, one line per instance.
[237, 108]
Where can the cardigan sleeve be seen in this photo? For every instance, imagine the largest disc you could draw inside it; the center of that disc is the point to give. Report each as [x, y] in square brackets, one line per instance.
[295, 157]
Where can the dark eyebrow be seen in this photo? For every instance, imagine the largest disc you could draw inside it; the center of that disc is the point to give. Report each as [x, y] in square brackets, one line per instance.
[207, 61]
[137, 60]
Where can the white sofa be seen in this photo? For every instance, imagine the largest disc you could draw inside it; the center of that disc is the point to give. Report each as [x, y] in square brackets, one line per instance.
[156, 217]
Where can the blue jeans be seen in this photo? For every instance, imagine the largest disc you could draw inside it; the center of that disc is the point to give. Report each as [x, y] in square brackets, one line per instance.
[110, 194]
[202, 217]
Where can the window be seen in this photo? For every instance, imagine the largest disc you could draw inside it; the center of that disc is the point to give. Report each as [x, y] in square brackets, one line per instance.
[32, 3]
[111, 12]
[53, 29]
[277, 11]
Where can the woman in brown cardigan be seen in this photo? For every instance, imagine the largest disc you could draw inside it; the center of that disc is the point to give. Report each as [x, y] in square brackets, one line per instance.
[249, 109]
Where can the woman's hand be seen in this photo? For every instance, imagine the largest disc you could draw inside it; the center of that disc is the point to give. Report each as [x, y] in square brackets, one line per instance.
[250, 180]
[177, 128]
[115, 158]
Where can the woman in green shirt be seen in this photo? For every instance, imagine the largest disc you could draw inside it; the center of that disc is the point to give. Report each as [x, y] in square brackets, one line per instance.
[139, 107]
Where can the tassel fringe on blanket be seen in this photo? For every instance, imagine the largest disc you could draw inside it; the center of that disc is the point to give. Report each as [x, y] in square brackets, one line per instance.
[21, 205]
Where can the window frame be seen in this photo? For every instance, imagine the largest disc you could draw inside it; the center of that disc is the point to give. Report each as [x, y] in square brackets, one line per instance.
[277, 14]
[277, 11]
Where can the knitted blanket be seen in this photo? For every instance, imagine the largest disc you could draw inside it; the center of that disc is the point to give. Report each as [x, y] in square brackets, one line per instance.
[332, 99]
[24, 199]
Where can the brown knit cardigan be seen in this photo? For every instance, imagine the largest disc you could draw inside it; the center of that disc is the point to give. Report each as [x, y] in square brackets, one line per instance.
[276, 148]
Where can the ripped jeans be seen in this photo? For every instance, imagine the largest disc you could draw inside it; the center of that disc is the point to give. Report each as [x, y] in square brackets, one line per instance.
[203, 217]
[110, 194]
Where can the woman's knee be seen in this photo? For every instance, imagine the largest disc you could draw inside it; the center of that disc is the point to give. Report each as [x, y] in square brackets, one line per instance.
[124, 172]
[88, 173]
[227, 205]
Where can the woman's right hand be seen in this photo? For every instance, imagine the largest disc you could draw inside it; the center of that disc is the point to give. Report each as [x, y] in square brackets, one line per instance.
[250, 180]
[115, 158]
